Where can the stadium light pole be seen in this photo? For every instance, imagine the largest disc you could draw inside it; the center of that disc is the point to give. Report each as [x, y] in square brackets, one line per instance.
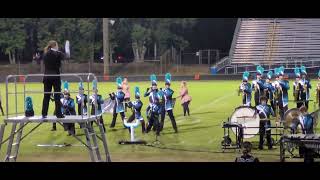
[105, 29]
[106, 44]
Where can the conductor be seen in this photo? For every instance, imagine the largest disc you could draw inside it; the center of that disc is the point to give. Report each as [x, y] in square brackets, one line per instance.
[52, 63]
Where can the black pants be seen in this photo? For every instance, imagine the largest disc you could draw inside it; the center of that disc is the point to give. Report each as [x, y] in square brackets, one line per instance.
[272, 104]
[126, 104]
[154, 121]
[173, 121]
[256, 98]
[114, 119]
[186, 108]
[49, 82]
[299, 104]
[143, 124]
[1, 108]
[70, 128]
[282, 110]
[264, 124]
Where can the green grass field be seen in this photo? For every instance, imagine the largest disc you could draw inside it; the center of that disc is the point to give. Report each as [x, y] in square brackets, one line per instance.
[199, 136]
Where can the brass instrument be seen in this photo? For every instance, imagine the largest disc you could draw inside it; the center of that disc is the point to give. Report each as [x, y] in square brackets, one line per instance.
[304, 86]
[278, 91]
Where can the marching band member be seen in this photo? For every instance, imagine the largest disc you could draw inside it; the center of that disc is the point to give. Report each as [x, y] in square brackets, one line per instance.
[119, 105]
[258, 85]
[269, 90]
[297, 88]
[282, 87]
[168, 104]
[137, 106]
[306, 124]
[82, 101]
[96, 99]
[68, 108]
[154, 106]
[306, 86]
[264, 110]
[306, 121]
[245, 88]
[318, 90]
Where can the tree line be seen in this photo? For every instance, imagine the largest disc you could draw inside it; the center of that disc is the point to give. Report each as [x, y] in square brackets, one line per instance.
[20, 38]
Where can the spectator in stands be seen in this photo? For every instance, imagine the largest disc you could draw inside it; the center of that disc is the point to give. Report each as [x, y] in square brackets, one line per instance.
[185, 98]
[52, 61]
[126, 91]
[246, 156]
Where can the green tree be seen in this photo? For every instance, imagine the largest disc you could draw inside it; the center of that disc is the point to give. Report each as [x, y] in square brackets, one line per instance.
[12, 37]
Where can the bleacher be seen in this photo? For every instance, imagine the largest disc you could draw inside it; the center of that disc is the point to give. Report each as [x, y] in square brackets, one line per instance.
[273, 42]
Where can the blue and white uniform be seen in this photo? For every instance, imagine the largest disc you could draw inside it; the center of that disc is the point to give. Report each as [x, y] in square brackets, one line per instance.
[167, 95]
[264, 112]
[306, 122]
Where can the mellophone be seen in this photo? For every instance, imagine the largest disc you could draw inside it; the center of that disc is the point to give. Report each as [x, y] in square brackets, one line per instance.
[309, 142]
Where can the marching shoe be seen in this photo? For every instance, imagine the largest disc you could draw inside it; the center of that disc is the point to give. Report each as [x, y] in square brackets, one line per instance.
[61, 116]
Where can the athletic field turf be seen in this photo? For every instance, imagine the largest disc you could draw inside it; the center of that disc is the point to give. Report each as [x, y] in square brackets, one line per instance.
[199, 137]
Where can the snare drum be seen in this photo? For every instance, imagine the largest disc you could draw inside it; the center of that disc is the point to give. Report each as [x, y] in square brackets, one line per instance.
[247, 117]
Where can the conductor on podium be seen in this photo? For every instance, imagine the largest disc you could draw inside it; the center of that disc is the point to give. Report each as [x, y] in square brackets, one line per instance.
[52, 62]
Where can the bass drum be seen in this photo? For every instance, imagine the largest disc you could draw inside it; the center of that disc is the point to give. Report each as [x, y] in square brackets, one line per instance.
[247, 117]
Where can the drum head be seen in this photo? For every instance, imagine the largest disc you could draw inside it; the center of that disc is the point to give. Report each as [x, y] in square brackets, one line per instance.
[291, 118]
[247, 118]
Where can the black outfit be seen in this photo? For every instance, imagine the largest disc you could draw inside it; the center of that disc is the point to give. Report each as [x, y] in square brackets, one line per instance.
[52, 61]
[119, 99]
[264, 112]
[167, 99]
[155, 110]
[298, 97]
[186, 108]
[93, 110]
